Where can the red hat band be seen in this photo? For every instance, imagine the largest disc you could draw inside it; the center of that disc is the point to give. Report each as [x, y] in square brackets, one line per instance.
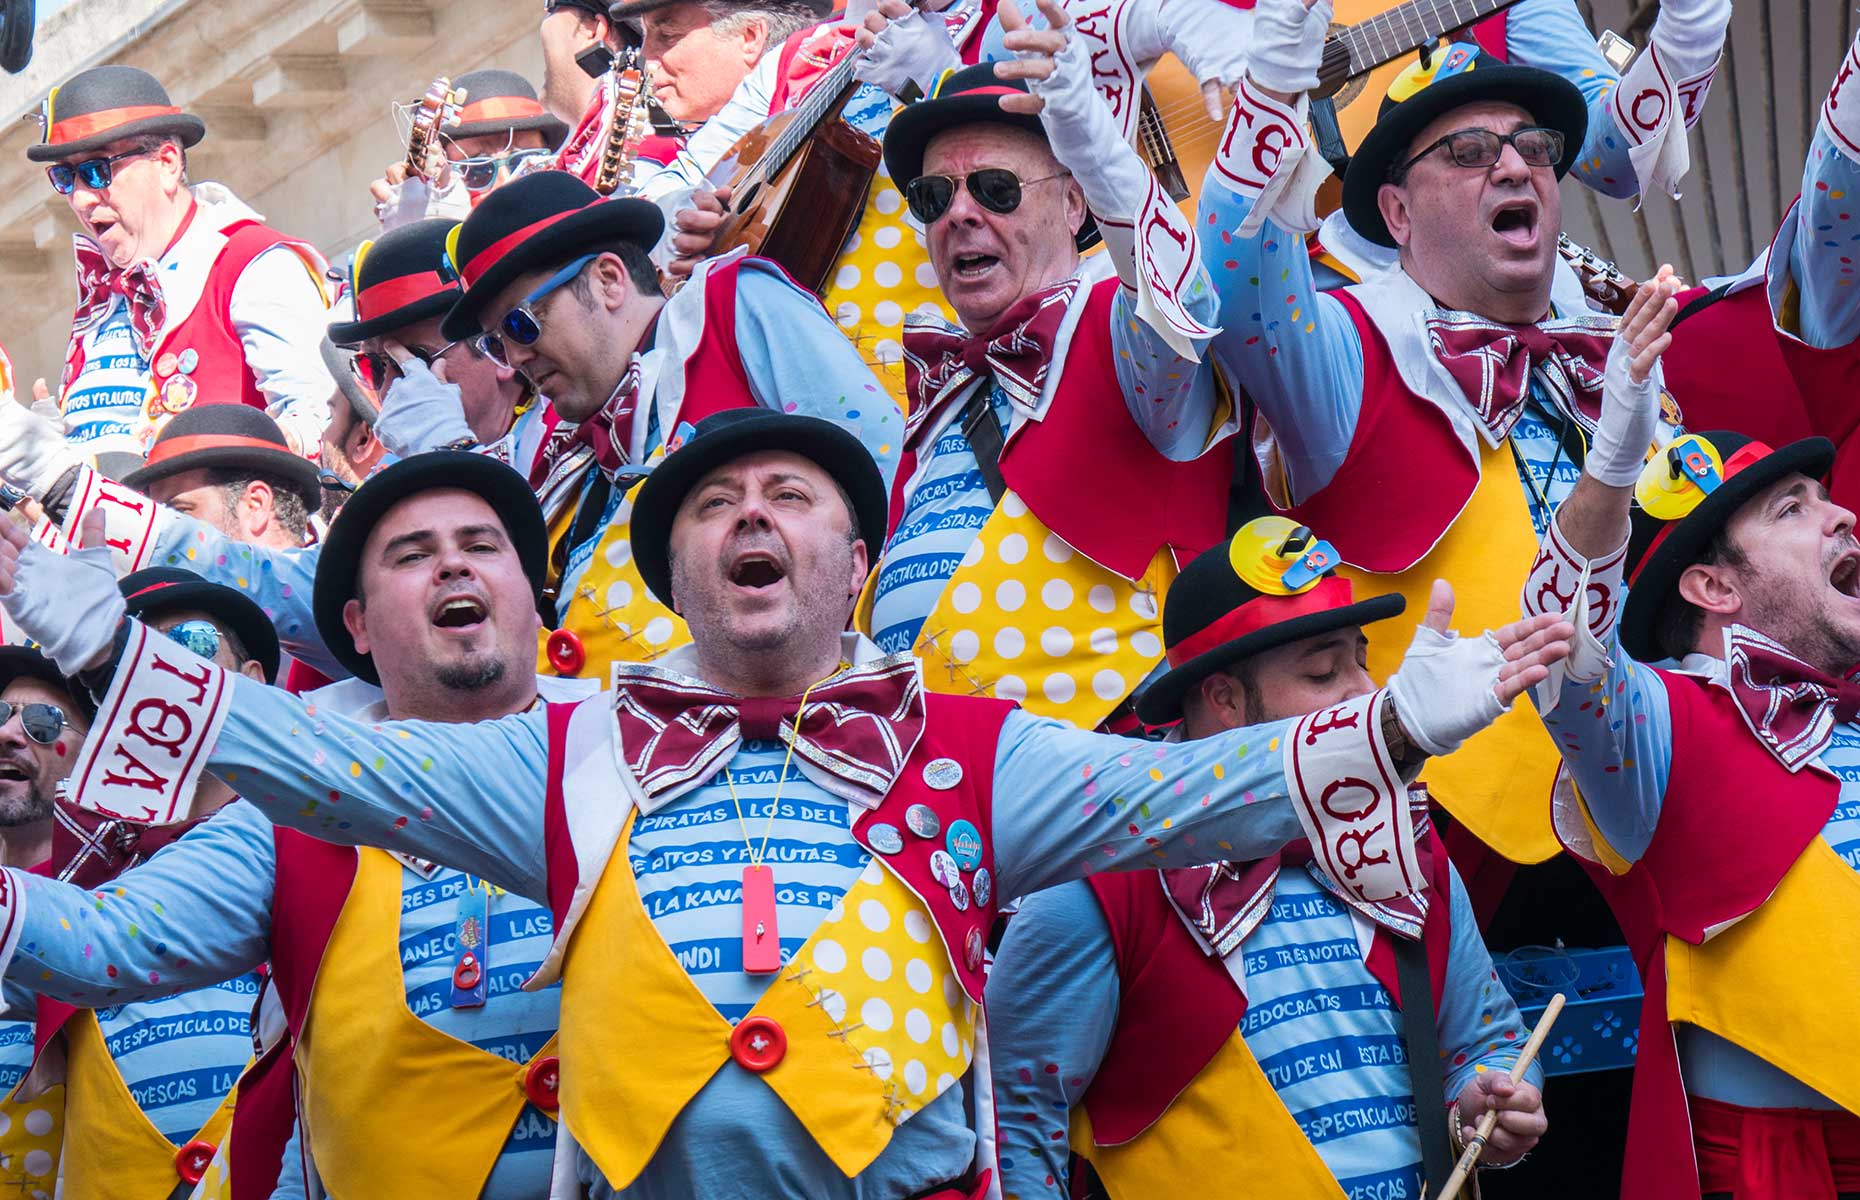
[392, 295]
[488, 257]
[499, 108]
[78, 128]
[1331, 593]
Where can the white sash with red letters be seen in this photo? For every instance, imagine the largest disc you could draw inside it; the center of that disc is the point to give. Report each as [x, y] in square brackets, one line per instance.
[1645, 102]
[1351, 801]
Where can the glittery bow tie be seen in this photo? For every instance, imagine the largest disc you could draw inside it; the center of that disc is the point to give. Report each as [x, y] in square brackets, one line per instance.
[1789, 705]
[99, 283]
[940, 359]
[1493, 363]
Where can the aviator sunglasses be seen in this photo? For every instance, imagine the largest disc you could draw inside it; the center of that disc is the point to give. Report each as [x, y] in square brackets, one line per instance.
[520, 324]
[481, 173]
[95, 173]
[198, 637]
[996, 189]
[42, 722]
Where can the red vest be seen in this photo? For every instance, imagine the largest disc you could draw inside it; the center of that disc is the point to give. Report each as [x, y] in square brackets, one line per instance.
[715, 378]
[964, 728]
[1733, 822]
[1177, 1005]
[220, 376]
[1089, 473]
[1732, 369]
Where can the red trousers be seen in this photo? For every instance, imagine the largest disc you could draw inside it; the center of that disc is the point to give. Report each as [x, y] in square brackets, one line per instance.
[1775, 1153]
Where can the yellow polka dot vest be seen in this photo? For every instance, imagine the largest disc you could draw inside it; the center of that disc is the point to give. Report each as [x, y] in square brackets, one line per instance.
[31, 1135]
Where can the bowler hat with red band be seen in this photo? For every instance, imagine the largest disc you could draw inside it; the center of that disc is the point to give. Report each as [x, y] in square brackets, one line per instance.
[400, 279]
[231, 437]
[502, 102]
[1272, 584]
[156, 590]
[107, 104]
[1687, 493]
[970, 96]
[533, 223]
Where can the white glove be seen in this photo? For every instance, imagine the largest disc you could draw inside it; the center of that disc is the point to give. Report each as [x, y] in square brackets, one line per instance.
[421, 412]
[1630, 419]
[1288, 45]
[33, 450]
[415, 201]
[1690, 35]
[1211, 38]
[1119, 191]
[68, 603]
[1587, 593]
[1443, 688]
[912, 49]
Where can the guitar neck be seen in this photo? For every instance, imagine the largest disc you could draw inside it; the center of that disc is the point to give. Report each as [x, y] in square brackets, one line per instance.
[822, 100]
[1399, 30]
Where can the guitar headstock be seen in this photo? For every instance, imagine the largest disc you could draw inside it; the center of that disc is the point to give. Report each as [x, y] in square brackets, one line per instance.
[1602, 281]
[630, 123]
[437, 109]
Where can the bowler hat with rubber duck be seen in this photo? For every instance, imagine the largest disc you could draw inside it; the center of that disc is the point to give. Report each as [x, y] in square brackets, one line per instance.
[107, 104]
[1274, 582]
[1446, 79]
[1687, 493]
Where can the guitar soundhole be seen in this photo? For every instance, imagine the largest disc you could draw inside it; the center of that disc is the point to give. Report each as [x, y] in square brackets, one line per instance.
[1352, 88]
[747, 199]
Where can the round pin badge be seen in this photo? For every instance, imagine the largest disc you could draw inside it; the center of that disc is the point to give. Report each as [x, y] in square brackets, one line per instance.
[167, 364]
[959, 895]
[972, 946]
[943, 869]
[965, 843]
[942, 774]
[189, 360]
[984, 886]
[922, 820]
[885, 839]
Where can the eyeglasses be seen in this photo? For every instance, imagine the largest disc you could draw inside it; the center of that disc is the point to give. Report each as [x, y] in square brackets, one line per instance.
[996, 189]
[1537, 146]
[520, 324]
[96, 173]
[377, 370]
[199, 637]
[330, 481]
[482, 172]
[42, 722]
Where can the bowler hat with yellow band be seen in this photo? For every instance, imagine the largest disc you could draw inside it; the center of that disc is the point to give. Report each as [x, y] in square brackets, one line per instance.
[968, 96]
[107, 104]
[401, 278]
[1687, 494]
[534, 223]
[1273, 583]
[502, 102]
[1451, 78]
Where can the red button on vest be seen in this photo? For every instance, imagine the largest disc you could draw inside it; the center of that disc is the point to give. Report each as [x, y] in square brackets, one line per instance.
[542, 1082]
[191, 1161]
[758, 1044]
[566, 654]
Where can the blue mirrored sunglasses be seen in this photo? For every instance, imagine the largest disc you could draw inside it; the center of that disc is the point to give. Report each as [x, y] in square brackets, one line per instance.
[520, 324]
[199, 637]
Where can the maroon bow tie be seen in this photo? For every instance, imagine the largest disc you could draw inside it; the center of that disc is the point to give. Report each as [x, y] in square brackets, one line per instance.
[1492, 363]
[1789, 705]
[90, 849]
[99, 283]
[860, 726]
[940, 359]
[1225, 902]
[609, 432]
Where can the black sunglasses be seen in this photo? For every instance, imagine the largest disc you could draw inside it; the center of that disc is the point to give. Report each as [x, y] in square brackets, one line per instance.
[96, 173]
[42, 722]
[1537, 146]
[377, 370]
[482, 172]
[996, 189]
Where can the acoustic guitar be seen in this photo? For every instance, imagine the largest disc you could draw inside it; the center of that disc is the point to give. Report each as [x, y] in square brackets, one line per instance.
[437, 109]
[1602, 281]
[1370, 42]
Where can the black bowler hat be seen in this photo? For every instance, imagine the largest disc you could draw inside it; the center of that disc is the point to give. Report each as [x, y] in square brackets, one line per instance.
[1460, 74]
[729, 435]
[157, 590]
[970, 96]
[1686, 494]
[340, 563]
[401, 278]
[623, 9]
[502, 102]
[538, 221]
[226, 437]
[1271, 584]
[27, 662]
[107, 104]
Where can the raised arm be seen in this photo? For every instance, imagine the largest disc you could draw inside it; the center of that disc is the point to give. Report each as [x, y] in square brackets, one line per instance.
[1057, 958]
[1811, 289]
[197, 913]
[1295, 352]
[1608, 714]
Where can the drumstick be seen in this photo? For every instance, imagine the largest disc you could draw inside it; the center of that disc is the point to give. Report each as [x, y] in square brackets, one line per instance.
[1489, 1121]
